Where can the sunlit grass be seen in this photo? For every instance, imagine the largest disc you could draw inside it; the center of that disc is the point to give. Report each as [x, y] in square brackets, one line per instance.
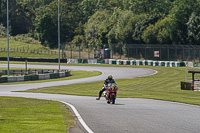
[22, 115]
[165, 85]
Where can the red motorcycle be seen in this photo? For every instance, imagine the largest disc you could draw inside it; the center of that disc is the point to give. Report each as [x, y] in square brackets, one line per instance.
[111, 93]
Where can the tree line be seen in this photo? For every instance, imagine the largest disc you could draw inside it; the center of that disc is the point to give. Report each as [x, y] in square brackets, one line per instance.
[111, 22]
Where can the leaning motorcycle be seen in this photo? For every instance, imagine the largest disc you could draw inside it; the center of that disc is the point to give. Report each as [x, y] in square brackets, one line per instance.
[111, 93]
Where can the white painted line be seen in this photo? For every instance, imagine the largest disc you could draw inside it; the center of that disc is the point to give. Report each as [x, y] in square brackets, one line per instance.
[155, 72]
[79, 117]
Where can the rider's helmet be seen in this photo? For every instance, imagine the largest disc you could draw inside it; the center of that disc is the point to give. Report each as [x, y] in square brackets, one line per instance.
[110, 77]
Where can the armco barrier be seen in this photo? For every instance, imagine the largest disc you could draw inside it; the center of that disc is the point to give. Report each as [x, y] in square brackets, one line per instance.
[72, 60]
[33, 59]
[146, 63]
[162, 63]
[137, 62]
[92, 61]
[106, 61]
[112, 61]
[20, 78]
[27, 78]
[82, 60]
[173, 64]
[34, 77]
[150, 63]
[126, 62]
[182, 64]
[141, 62]
[168, 64]
[101, 61]
[47, 76]
[3, 79]
[61, 74]
[41, 76]
[67, 73]
[52, 76]
[189, 64]
[12, 79]
[133, 62]
[119, 62]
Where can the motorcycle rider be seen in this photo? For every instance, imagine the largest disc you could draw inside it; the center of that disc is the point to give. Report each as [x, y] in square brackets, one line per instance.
[106, 82]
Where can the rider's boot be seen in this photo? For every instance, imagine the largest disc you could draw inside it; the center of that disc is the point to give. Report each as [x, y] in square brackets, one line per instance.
[98, 98]
[100, 93]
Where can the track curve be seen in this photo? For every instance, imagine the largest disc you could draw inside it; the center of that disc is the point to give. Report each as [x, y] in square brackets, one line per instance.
[129, 115]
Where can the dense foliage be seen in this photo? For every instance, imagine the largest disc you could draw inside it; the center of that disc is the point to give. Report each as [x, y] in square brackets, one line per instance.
[110, 22]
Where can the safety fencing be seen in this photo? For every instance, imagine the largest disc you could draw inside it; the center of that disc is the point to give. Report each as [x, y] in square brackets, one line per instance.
[37, 76]
[35, 51]
[130, 62]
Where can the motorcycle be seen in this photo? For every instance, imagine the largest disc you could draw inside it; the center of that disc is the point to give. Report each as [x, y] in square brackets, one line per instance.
[111, 93]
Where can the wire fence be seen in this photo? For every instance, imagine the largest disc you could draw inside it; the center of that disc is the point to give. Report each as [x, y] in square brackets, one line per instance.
[29, 51]
[128, 51]
[164, 52]
[138, 51]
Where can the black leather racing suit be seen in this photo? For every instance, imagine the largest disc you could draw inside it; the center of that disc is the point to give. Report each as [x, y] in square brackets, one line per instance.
[106, 82]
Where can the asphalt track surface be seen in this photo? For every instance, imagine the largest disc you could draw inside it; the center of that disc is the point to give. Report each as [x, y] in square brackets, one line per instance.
[128, 115]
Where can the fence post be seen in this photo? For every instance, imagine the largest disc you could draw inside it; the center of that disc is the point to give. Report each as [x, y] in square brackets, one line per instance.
[120, 51]
[199, 55]
[160, 54]
[103, 51]
[136, 52]
[79, 51]
[128, 52]
[88, 53]
[71, 52]
[176, 53]
[189, 54]
[26, 65]
[168, 53]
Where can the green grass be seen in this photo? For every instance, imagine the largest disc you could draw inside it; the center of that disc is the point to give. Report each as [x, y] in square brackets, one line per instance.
[20, 45]
[22, 115]
[25, 55]
[165, 85]
[26, 46]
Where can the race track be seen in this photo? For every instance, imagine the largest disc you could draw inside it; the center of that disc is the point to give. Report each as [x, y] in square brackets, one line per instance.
[128, 115]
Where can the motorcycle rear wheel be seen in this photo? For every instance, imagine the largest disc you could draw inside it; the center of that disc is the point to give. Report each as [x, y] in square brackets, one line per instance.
[113, 99]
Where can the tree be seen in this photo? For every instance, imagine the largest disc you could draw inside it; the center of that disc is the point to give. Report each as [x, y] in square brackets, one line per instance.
[3, 30]
[142, 25]
[150, 7]
[48, 32]
[3, 12]
[94, 30]
[179, 15]
[156, 33]
[194, 29]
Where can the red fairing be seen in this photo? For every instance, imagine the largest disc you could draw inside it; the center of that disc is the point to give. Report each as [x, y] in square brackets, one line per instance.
[116, 88]
[111, 93]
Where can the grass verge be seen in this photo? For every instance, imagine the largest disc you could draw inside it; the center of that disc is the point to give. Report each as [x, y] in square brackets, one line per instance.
[165, 85]
[26, 55]
[34, 116]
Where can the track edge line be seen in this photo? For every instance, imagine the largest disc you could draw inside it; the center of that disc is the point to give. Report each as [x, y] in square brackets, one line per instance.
[78, 117]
